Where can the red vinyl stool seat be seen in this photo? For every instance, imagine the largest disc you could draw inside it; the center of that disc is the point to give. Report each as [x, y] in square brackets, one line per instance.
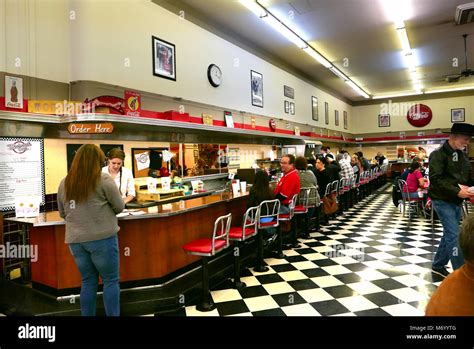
[206, 248]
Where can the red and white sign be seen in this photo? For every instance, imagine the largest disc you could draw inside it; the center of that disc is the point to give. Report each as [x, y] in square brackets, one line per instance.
[272, 124]
[419, 115]
[133, 103]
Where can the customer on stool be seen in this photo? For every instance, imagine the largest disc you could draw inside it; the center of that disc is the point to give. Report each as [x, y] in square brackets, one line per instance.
[455, 295]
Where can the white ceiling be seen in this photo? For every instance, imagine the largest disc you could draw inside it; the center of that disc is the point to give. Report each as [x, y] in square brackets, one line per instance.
[360, 30]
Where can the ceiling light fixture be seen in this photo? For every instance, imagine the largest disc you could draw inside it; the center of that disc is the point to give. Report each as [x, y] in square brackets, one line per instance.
[397, 95]
[282, 28]
[451, 89]
[338, 73]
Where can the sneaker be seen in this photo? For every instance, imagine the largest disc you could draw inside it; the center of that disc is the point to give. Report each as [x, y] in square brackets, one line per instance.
[440, 271]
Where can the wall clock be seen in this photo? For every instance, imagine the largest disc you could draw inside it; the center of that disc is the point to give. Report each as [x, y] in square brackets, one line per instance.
[214, 75]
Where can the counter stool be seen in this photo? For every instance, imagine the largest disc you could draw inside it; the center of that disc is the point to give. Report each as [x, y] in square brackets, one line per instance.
[240, 234]
[267, 218]
[301, 207]
[206, 248]
[289, 217]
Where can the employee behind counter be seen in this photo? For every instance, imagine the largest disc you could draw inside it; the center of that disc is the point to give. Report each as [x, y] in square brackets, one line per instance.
[122, 176]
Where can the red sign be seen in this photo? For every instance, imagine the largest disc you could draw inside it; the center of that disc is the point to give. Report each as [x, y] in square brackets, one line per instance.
[272, 124]
[104, 104]
[419, 115]
[76, 128]
[133, 103]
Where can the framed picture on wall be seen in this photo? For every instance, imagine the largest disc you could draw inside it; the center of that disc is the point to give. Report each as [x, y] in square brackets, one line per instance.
[345, 120]
[287, 107]
[314, 108]
[164, 58]
[292, 108]
[457, 115]
[336, 117]
[256, 86]
[384, 120]
[326, 113]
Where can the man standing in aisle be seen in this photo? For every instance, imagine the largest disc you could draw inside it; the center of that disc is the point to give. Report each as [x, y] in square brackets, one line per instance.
[450, 173]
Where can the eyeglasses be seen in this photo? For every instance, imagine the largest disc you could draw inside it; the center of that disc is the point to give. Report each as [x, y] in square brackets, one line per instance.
[284, 163]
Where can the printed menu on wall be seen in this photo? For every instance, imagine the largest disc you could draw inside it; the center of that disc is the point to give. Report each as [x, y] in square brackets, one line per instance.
[21, 169]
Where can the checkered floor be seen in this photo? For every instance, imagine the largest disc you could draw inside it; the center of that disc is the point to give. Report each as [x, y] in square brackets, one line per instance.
[368, 262]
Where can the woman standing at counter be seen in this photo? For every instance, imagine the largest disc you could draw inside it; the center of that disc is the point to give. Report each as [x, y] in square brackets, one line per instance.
[122, 176]
[88, 200]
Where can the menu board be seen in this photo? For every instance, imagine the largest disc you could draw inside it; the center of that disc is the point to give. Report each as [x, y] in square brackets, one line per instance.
[21, 169]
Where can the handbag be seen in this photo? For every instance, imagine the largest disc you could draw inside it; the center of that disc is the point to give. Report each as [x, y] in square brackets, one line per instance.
[330, 205]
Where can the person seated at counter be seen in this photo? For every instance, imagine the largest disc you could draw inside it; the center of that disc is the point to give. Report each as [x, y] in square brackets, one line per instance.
[122, 176]
[379, 158]
[415, 180]
[289, 184]
[260, 191]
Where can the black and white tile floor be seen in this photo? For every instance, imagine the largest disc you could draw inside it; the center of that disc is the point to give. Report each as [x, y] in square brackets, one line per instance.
[367, 262]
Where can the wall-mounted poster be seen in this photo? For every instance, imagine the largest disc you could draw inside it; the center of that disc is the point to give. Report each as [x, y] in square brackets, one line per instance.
[457, 115]
[314, 108]
[345, 120]
[256, 85]
[21, 169]
[326, 113]
[336, 117]
[292, 108]
[164, 58]
[13, 92]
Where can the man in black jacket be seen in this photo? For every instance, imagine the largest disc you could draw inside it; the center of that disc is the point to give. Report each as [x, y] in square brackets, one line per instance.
[450, 172]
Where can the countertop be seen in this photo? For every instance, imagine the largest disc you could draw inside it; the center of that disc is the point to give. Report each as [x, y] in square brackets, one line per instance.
[165, 210]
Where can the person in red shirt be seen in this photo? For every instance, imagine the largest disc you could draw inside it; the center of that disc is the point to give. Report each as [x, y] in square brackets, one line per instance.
[415, 180]
[289, 184]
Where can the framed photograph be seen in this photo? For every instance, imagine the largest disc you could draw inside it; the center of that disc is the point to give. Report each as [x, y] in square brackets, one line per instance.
[256, 86]
[384, 120]
[345, 120]
[287, 107]
[336, 117]
[326, 113]
[457, 115]
[164, 59]
[292, 108]
[288, 92]
[314, 108]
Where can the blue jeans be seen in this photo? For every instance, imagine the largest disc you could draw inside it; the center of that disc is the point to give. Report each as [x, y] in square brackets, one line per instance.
[94, 258]
[450, 215]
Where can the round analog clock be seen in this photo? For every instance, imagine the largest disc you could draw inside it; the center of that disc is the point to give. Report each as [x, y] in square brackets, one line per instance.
[214, 74]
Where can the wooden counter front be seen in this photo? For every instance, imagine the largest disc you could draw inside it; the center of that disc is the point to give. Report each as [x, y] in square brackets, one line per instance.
[150, 245]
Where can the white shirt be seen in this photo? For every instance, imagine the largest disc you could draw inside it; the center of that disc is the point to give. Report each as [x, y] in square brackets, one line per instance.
[127, 186]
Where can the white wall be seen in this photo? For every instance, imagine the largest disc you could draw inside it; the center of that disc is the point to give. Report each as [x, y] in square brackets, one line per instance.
[367, 116]
[35, 39]
[118, 50]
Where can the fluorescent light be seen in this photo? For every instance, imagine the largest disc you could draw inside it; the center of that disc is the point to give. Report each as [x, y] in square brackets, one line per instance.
[411, 61]
[357, 88]
[254, 7]
[318, 57]
[402, 35]
[284, 30]
[338, 73]
[397, 95]
[414, 75]
[451, 89]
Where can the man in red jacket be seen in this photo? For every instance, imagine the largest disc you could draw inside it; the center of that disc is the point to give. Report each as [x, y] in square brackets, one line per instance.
[289, 184]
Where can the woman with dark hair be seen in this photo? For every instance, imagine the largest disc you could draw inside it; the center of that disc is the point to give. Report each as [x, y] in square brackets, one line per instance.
[415, 180]
[89, 200]
[323, 176]
[122, 176]
[260, 190]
